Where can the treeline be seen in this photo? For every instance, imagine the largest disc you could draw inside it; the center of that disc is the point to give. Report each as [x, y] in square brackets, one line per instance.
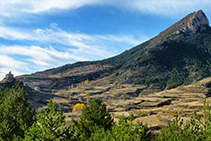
[18, 121]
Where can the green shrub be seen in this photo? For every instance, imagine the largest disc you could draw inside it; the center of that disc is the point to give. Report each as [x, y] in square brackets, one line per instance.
[50, 126]
[195, 129]
[125, 130]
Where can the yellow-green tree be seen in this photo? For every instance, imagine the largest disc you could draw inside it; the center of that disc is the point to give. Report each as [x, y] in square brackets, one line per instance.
[78, 107]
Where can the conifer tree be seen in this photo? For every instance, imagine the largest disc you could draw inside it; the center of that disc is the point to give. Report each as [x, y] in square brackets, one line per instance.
[16, 113]
[125, 130]
[96, 115]
[50, 126]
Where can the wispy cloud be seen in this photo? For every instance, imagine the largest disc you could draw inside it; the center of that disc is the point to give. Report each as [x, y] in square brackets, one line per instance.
[33, 58]
[9, 62]
[16, 8]
[39, 56]
[13, 33]
[78, 47]
[84, 44]
[169, 7]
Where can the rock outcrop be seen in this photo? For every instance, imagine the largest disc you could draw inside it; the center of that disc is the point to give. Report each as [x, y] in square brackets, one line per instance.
[8, 81]
[197, 22]
[8, 77]
[189, 25]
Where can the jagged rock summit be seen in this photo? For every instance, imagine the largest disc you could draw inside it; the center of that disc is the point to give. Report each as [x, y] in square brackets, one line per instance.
[189, 25]
[197, 21]
[192, 23]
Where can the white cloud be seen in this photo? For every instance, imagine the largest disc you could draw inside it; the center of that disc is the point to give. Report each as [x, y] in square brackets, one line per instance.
[10, 62]
[56, 35]
[14, 8]
[169, 7]
[33, 58]
[38, 56]
[9, 8]
[82, 47]
[84, 44]
[13, 33]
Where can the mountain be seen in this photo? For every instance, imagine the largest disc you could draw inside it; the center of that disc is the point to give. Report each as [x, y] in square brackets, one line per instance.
[179, 55]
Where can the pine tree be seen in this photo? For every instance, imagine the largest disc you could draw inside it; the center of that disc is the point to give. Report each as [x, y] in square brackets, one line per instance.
[50, 126]
[125, 130]
[96, 115]
[16, 113]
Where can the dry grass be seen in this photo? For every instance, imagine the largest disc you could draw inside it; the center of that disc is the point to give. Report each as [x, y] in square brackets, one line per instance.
[121, 100]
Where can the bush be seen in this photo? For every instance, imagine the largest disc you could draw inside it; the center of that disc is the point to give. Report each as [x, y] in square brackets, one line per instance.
[124, 130]
[197, 128]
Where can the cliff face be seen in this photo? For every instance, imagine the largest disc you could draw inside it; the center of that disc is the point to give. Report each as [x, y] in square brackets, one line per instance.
[189, 25]
[197, 22]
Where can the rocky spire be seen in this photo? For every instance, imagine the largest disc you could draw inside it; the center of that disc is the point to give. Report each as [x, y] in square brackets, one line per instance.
[196, 22]
[191, 24]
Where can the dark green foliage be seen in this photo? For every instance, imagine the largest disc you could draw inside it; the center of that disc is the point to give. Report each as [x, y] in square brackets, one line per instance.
[185, 59]
[50, 126]
[179, 130]
[195, 129]
[93, 116]
[177, 77]
[16, 114]
[125, 130]
[179, 61]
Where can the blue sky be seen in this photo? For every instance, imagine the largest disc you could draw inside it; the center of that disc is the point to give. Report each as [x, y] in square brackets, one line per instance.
[40, 34]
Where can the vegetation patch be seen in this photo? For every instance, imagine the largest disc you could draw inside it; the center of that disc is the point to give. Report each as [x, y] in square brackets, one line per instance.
[154, 95]
[169, 95]
[164, 95]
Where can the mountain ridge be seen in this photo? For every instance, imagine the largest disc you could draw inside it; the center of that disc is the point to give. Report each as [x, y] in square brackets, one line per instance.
[181, 49]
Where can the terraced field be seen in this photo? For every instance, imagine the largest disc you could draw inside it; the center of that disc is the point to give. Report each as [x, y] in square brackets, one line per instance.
[156, 109]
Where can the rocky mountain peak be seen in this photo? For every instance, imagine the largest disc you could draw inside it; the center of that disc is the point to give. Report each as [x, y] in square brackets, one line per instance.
[197, 21]
[191, 24]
